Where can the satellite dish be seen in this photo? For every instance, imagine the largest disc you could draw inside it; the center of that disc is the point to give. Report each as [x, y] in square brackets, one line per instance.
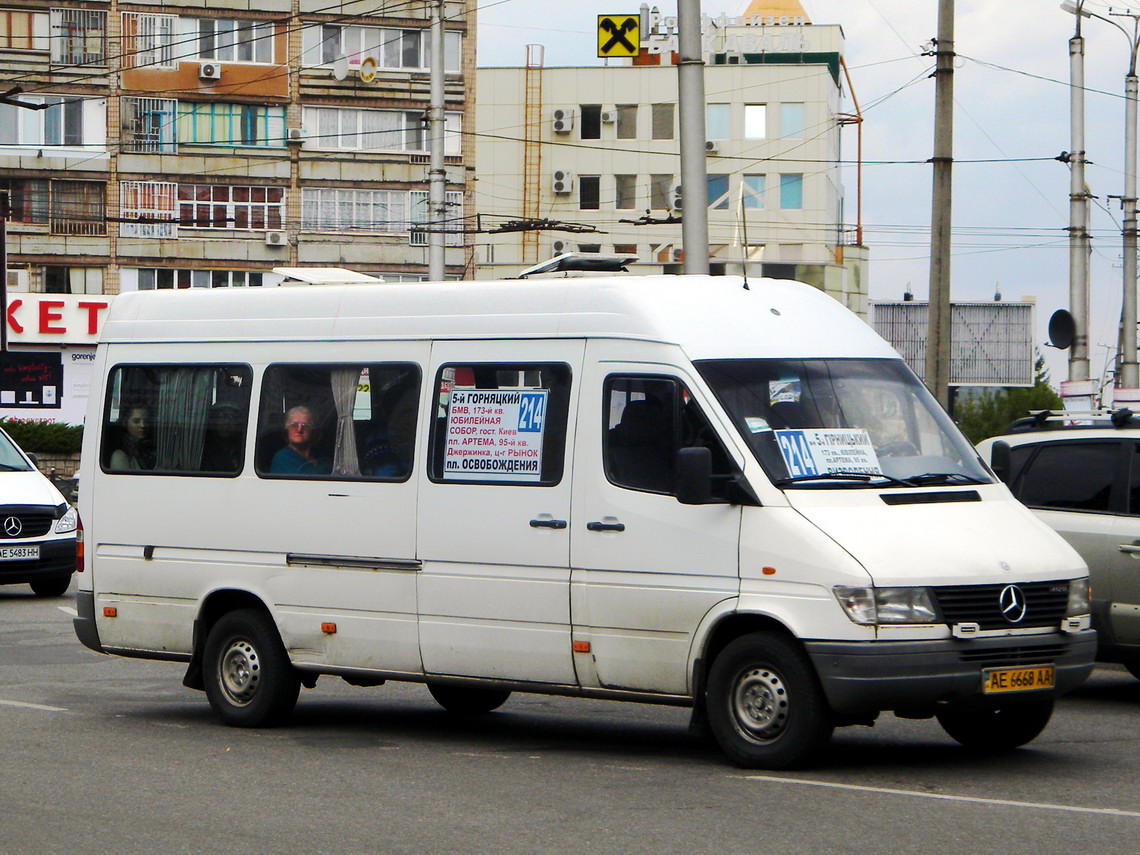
[340, 67]
[1062, 329]
[368, 69]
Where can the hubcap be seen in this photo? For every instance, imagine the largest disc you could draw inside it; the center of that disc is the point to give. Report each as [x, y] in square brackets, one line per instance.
[240, 672]
[760, 705]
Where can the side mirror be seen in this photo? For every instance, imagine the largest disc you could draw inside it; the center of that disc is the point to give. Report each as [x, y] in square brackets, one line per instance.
[1001, 459]
[694, 476]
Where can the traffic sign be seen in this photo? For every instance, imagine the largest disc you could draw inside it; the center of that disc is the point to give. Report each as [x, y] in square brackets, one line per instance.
[619, 35]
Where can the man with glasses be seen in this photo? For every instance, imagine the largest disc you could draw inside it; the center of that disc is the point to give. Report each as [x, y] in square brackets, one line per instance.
[297, 457]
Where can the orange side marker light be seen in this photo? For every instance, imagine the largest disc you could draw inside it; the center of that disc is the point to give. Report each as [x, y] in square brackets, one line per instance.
[768, 571]
[328, 628]
[580, 646]
[110, 611]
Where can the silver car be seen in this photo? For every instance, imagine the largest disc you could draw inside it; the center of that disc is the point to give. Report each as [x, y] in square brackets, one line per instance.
[1084, 482]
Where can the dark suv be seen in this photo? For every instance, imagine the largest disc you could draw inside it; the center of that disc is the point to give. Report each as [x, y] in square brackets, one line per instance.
[1083, 480]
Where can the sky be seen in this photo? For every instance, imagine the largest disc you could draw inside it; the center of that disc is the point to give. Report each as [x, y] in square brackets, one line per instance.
[1011, 119]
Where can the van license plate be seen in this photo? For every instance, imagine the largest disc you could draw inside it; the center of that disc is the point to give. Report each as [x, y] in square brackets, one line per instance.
[19, 553]
[995, 680]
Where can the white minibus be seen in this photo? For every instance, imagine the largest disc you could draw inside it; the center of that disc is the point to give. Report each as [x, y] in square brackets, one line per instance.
[700, 491]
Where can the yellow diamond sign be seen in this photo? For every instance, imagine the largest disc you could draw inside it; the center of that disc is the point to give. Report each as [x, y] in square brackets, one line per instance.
[619, 35]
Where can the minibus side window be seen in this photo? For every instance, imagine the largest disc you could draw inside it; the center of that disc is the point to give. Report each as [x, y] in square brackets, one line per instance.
[500, 423]
[342, 421]
[647, 419]
[176, 419]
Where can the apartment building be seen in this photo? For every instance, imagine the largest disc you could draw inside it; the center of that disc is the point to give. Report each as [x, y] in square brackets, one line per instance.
[596, 149]
[148, 145]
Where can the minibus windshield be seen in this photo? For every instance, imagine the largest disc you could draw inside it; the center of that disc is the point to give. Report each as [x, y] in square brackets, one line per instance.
[842, 423]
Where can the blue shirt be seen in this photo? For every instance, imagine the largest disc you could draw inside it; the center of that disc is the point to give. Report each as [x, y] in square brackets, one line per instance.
[287, 461]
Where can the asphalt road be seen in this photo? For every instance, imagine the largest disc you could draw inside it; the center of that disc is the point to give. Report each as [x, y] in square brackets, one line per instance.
[109, 755]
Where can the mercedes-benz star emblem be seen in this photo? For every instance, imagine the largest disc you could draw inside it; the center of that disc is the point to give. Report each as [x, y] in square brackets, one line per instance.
[1011, 601]
[13, 526]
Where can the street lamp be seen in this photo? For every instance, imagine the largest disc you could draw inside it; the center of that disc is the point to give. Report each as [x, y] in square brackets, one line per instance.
[1129, 377]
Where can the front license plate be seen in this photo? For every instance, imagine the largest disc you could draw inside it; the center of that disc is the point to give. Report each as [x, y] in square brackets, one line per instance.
[19, 553]
[995, 680]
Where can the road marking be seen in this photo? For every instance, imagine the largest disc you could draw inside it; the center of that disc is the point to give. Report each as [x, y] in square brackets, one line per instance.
[975, 799]
[32, 706]
[68, 611]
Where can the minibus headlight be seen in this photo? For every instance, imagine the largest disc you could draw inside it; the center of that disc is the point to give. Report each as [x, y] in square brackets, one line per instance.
[67, 522]
[872, 606]
[1078, 597]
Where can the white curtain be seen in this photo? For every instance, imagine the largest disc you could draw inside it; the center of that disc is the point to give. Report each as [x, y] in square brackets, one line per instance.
[180, 422]
[344, 382]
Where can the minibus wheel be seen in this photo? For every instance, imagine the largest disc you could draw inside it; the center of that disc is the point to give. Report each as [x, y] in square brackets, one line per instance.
[766, 708]
[1000, 728]
[467, 700]
[249, 680]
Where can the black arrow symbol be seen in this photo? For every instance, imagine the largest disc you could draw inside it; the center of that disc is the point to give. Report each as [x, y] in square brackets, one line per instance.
[618, 34]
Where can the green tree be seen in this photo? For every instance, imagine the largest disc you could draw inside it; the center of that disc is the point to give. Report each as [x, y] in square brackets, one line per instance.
[989, 414]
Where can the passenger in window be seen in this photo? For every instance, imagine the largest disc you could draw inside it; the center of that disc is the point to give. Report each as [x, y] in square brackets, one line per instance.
[222, 449]
[388, 452]
[135, 450]
[297, 457]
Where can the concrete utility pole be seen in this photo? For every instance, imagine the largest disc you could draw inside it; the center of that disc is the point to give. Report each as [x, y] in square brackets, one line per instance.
[938, 322]
[437, 175]
[691, 115]
[1078, 214]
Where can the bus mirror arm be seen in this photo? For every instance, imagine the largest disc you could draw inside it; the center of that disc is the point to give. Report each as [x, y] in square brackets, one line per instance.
[695, 481]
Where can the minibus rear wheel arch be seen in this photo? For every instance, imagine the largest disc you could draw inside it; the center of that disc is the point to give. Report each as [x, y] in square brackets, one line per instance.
[217, 604]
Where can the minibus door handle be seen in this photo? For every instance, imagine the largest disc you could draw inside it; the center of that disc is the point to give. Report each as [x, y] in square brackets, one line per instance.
[606, 526]
[1132, 549]
[559, 524]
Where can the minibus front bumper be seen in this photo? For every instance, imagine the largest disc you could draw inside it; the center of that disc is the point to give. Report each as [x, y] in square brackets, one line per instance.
[861, 677]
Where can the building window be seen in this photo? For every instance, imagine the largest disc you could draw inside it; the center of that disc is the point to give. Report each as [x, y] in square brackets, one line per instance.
[390, 49]
[755, 121]
[589, 192]
[452, 224]
[791, 192]
[28, 199]
[626, 197]
[148, 124]
[20, 30]
[152, 205]
[364, 130]
[753, 191]
[591, 121]
[625, 249]
[222, 206]
[627, 121]
[663, 121]
[346, 209]
[792, 121]
[159, 278]
[659, 187]
[718, 122]
[78, 36]
[78, 208]
[60, 123]
[210, 123]
[231, 40]
[72, 280]
[148, 40]
[718, 192]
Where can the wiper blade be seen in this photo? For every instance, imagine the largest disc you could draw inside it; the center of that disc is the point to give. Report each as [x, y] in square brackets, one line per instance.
[944, 478]
[860, 478]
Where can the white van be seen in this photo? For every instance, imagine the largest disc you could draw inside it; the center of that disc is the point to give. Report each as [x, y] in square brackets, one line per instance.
[37, 526]
[680, 490]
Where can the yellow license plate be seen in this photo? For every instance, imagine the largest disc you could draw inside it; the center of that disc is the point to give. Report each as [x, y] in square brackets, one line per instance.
[1026, 679]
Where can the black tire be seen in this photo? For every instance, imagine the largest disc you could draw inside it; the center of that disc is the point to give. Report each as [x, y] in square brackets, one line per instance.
[52, 587]
[1000, 728]
[248, 678]
[765, 706]
[1133, 668]
[467, 700]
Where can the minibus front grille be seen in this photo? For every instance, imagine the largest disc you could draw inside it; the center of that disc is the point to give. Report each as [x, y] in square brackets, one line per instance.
[1045, 604]
[19, 526]
[1012, 656]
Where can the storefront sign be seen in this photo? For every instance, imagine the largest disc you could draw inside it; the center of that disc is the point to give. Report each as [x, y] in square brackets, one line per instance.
[31, 380]
[56, 318]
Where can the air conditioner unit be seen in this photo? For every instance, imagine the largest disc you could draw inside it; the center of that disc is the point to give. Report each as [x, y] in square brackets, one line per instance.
[712, 146]
[209, 71]
[562, 182]
[675, 197]
[564, 120]
[561, 247]
[678, 255]
[18, 280]
[296, 135]
[276, 239]
[609, 117]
